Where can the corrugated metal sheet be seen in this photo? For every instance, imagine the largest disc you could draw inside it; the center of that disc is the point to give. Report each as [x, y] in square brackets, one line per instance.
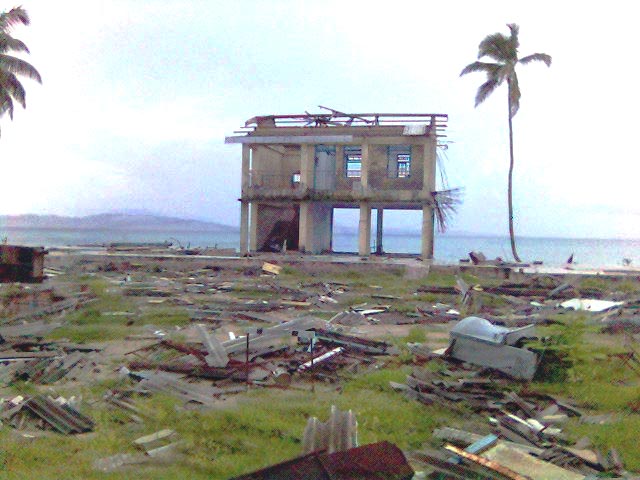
[63, 418]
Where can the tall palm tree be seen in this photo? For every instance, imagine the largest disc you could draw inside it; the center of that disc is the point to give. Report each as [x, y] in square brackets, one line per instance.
[504, 51]
[10, 67]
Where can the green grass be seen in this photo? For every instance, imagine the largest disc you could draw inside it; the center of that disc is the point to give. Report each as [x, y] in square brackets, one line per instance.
[92, 323]
[597, 283]
[621, 434]
[627, 286]
[597, 384]
[416, 335]
[262, 428]
[163, 317]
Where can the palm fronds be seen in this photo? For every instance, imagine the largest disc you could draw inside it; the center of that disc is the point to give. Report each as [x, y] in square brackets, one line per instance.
[487, 89]
[11, 67]
[491, 69]
[504, 50]
[445, 203]
[536, 57]
[16, 15]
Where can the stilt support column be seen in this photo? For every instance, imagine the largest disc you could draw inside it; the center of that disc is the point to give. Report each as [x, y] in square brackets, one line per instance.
[364, 230]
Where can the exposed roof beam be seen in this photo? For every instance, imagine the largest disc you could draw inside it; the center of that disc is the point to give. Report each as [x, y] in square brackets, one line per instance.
[290, 139]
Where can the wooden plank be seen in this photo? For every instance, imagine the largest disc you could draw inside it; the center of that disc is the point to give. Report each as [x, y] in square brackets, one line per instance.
[502, 470]
[290, 139]
[525, 464]
[477, 447]
[271, 268]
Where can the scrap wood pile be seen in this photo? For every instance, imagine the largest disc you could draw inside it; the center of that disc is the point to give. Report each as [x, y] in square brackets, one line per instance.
[539, 286]
[624, 317]
[226, 291]
[536, 300]
[476, 376]
[525, 439]
[42, 362]
[20, 304]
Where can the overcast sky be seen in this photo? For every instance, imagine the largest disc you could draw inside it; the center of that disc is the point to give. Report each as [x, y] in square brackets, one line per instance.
[138, 96]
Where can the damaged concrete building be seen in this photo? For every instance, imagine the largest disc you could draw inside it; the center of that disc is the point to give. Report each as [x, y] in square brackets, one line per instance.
[296, 169]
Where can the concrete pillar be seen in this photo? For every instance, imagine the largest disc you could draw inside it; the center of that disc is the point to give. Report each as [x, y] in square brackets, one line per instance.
[427, 232]
[244, 228]
[428, 186]
[429, 170]
[364, 176]
[246, 166]
[305, 224]
[364, 230]
[379, 212]
[307, 154]
[331, 229]
[253, 227]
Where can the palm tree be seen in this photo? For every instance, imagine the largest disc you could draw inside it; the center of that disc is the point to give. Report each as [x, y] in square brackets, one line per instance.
[10, 67]
[504, 51]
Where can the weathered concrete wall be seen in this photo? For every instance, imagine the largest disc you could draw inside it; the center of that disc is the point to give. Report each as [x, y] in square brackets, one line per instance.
[380, 176]
[316, 227]
[274, 166]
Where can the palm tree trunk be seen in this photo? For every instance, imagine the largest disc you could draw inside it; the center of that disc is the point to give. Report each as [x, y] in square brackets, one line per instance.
[510, 187]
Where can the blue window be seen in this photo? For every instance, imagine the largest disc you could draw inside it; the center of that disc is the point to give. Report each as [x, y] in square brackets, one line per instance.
[399, 161]
[353, 162]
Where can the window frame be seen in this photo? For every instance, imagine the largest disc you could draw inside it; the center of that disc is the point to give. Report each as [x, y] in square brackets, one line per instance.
[352, 155]
[399, 158]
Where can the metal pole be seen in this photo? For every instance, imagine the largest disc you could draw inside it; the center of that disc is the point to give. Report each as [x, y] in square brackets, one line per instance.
[313, 383]
[246, 365]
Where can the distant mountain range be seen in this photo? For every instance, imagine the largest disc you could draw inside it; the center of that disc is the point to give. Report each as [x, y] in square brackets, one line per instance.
[113, 221]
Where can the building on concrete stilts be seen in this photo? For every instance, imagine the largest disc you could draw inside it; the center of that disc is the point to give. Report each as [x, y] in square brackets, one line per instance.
[296, 169]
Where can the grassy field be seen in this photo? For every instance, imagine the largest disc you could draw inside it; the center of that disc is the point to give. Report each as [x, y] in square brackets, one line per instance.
[264, 426]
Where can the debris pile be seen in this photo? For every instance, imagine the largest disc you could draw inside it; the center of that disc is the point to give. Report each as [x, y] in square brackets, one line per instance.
[525, 437]
[263, 357]
[41, 412]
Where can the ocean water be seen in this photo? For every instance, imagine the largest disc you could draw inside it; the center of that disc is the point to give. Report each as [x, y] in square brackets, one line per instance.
[449, 248]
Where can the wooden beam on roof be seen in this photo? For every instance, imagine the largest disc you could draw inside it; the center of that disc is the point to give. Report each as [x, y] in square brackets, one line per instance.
[290, 139]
